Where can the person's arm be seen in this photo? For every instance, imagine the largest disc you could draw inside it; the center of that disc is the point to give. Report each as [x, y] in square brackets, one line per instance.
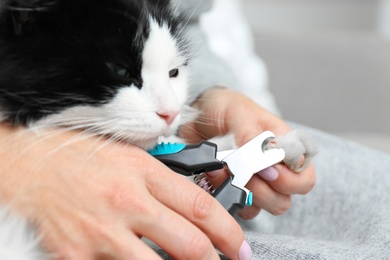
[225, 111]
[89, 198]
[229, 37]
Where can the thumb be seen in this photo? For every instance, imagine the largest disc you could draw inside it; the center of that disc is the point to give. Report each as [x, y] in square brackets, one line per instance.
[247, 133]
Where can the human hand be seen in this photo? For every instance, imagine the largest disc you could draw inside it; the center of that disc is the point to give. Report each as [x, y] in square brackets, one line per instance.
[91, 199]
[225, 111]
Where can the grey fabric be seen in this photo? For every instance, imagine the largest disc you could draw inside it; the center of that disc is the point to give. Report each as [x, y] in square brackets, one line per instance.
[207, 70]
[193, 8]
[346, 216]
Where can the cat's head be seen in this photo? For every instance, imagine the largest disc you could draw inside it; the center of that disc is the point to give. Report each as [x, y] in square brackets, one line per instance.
[114, 67]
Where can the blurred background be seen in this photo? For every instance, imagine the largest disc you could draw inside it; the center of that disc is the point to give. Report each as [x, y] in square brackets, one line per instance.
[329, 63]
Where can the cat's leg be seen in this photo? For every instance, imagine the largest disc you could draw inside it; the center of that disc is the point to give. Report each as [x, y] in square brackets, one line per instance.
[297, 144]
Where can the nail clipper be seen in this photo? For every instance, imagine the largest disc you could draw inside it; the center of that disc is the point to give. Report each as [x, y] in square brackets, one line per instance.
[241, 163]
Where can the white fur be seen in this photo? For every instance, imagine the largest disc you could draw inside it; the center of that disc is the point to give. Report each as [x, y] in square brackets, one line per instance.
[132, 115]
[17, 239]
[2, 114]
[297, 144]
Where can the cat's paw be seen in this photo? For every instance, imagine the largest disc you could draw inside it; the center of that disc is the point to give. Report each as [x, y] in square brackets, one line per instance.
[297, 144]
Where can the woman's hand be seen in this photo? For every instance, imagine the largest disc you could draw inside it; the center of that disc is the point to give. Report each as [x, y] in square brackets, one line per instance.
[225, 111]
[91, 199]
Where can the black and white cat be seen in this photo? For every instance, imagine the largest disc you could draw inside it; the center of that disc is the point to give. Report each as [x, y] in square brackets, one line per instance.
[117, 68]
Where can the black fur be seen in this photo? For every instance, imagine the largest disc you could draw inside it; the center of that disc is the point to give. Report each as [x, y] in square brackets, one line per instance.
[53, 53]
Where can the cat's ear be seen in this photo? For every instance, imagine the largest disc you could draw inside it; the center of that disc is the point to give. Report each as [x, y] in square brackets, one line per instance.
[23, 12]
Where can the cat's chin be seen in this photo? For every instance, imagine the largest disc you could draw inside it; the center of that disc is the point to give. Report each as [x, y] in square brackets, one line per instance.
[150, 143]
[146, 144]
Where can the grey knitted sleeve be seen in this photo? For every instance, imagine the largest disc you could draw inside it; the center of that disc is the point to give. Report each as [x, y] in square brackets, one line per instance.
[207, 70]
[346, 216]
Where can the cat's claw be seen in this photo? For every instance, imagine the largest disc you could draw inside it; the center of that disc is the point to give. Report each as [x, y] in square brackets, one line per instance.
[297, 144]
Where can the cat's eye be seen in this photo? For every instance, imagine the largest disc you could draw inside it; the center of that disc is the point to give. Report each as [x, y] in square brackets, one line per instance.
[174, 73]
[118, 69]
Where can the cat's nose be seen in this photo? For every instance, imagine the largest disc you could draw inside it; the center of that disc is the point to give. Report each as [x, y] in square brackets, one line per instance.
[168, 116]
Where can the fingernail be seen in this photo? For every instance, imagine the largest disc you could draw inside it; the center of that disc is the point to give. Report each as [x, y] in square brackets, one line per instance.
[269, 174]
[245, 252]
[214, 174]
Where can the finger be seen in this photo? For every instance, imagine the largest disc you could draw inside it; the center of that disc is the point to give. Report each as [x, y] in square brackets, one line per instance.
[249, 212]
[201, 209]
[177, 236]
[191, 133]
[127, 247]
[111, 243]
[269, 174]
[289, 182]
[266, 198]
[247, 132]
[217, 177]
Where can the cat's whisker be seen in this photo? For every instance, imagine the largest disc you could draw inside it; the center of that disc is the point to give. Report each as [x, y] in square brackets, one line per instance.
[41, 138]
[190, 17]
[106, 132]
[210, 121]
[79, 137]
[202, 119]
[202, 98]
[72, 119]
[50, 95]
[103, 128]
[193, 130]
[32, 145]
[103, 144]
[92, 124]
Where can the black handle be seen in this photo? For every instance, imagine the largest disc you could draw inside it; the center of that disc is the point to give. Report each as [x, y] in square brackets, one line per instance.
[231, 197]
[193, 159]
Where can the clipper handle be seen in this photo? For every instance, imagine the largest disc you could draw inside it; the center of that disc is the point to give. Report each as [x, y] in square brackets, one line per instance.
[193, 159]
[231, 197]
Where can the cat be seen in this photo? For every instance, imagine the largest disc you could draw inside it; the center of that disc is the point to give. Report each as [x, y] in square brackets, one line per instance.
[109, 68]
[114, 68]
